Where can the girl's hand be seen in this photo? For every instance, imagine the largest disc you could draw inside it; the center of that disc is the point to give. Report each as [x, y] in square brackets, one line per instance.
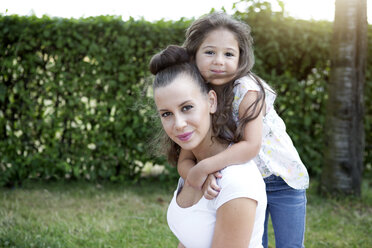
[210, 187]
[197, 176]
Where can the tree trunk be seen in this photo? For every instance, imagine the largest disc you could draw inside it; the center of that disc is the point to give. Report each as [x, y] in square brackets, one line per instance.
[344, 130]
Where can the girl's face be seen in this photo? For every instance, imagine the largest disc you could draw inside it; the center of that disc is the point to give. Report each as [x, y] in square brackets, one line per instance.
[218, 57]
[185, 112]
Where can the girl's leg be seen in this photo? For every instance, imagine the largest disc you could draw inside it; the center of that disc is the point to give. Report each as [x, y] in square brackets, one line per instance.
[265, 237]
[287, 208]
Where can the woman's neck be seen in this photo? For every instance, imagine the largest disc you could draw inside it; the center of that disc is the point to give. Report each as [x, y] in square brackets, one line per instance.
[208, 149]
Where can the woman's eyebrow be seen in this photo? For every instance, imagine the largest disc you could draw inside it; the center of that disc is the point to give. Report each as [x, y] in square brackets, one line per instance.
[181, 104]
[184, 103]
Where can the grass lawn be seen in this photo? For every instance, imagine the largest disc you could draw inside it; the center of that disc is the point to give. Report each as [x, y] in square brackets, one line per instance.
[77, 214]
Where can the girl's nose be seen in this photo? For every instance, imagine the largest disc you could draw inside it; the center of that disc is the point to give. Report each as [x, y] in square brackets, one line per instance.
[218, 59]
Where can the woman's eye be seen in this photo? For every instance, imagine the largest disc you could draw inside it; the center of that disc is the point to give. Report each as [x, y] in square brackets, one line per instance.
[187, 107]
[165, 114]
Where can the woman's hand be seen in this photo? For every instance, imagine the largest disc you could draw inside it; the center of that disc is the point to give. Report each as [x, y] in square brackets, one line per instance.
[210, 187]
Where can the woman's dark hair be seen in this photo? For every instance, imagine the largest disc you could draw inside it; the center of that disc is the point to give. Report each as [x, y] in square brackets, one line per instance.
[195, 35]
[170, 63]
[167, 66]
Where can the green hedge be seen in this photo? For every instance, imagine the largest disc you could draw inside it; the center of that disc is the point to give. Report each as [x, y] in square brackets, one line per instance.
[73, 102]
[69, 95]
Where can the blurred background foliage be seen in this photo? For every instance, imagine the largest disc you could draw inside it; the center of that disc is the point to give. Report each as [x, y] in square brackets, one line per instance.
[75, 103]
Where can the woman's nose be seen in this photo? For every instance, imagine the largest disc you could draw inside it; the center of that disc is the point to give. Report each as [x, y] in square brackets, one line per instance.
[180, 123]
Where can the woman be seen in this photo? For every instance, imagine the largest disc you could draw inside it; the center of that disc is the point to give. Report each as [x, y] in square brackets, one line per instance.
[185, 104]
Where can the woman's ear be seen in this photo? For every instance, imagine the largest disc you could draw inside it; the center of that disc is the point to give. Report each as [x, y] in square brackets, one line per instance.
[212, 98]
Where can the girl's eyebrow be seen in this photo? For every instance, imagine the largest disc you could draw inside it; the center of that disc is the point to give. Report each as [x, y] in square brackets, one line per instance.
[228, 48]
[183, 103]
[208, 46]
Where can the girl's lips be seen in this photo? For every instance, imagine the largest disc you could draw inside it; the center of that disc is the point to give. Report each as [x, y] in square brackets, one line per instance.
[185, 136]
[218, 71]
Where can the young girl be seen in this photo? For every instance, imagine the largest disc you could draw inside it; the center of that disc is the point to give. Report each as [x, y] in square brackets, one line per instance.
[222, 50]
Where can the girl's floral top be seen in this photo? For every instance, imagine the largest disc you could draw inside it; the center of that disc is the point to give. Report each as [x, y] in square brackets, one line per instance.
[277, 155]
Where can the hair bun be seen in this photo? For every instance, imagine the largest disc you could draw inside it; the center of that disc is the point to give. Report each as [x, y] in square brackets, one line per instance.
[170, 56]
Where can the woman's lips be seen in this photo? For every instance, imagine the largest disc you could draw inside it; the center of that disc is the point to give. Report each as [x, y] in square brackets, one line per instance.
[185, 136]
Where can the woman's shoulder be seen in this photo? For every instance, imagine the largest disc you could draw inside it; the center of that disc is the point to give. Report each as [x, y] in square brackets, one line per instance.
[238, 174]
[242, 180]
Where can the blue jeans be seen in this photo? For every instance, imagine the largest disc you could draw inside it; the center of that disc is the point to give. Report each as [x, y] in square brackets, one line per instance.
[287, 208]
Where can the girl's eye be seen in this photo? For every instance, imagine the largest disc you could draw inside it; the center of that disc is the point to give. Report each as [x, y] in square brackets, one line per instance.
[166, 114]
[229, 54]
[187, 107]
[209, 52]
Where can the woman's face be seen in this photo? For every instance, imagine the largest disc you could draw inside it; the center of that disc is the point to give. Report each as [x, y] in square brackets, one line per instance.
[185, 112]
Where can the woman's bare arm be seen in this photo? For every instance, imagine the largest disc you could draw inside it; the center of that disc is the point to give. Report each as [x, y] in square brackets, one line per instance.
[234, 223]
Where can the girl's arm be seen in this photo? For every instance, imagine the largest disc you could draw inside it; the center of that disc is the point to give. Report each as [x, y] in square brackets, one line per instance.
[238, 153]
[234, 223]
[186, 161]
